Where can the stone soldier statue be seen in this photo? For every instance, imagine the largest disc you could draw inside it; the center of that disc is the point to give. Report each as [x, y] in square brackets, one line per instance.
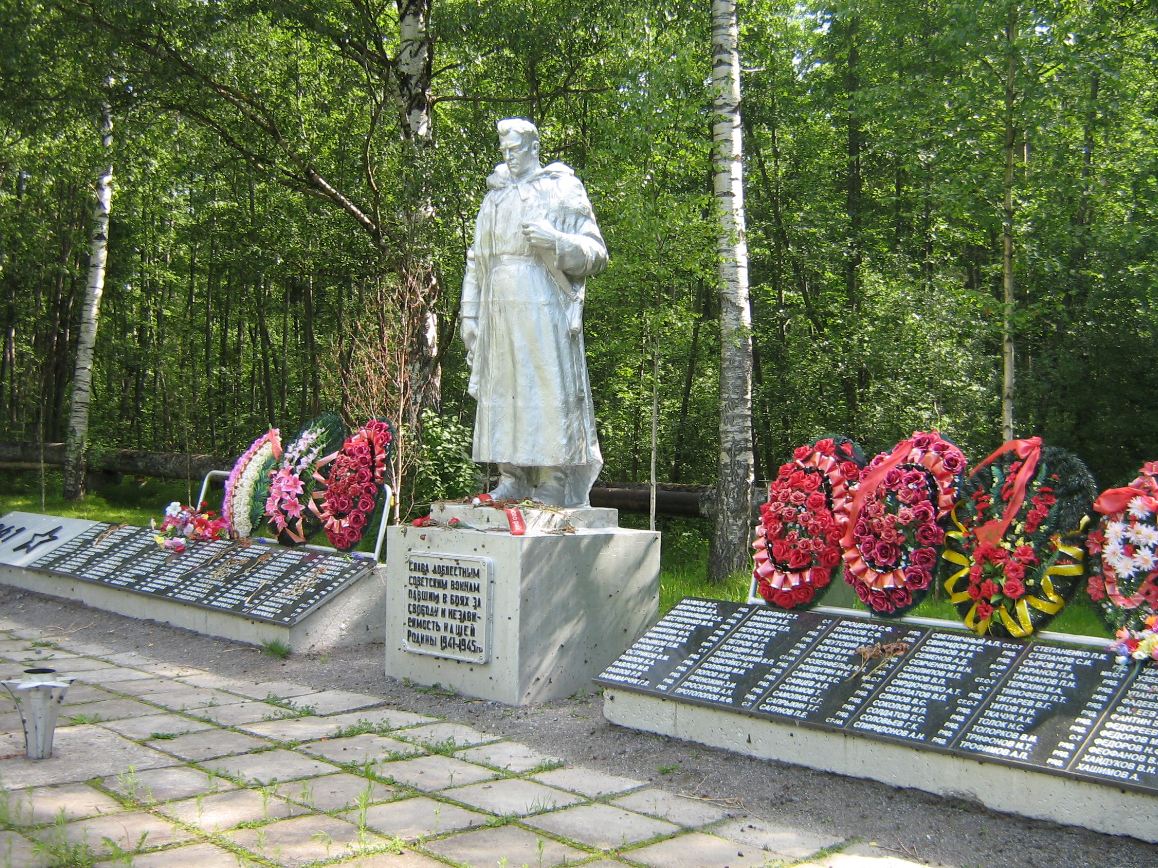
[535, 243]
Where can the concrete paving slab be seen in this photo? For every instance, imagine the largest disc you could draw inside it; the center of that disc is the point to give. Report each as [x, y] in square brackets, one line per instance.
[782, 842]
[89, 649]
[867, 854]
[507, 845]
[112, 675]
[266, 689]
[697, 848]
[447, 734]
[186, 698]
[221, 811]
[16, 851]
[419, 817]
[685, 811]
[334, 701]
[78, 754]
[79, 694]
[301, 840]
[151, 786]
[513, 797]
[70, 801]
[602, 826]
[224, 682]
[433, 773]
[171, 670]
[129, 658]
[588, 782]
[336, 792]
[130, 832]
[144, 727]
[361, 749]
[104, 710]
[76, 665]
[200, 855]
[269, 766]
[509, 755]
[246, 711]
[140, 686]
[310, 728]
[405, 859]
[209, 744]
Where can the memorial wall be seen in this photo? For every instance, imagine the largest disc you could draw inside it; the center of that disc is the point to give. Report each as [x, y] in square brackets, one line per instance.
[1053, 708]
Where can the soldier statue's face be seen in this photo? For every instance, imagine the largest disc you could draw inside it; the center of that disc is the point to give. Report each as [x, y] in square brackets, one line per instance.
[520, 155]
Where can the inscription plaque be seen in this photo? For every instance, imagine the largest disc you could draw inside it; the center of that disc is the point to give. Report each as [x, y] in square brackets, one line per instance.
[448, 606]
[1045, 706]
[1057, 709]
[1124, 746]
[263, 582]
[936, 689]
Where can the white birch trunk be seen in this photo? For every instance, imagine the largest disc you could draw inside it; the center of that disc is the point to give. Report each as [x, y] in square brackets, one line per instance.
[1008, 358]
[729, 548]
[77, 447]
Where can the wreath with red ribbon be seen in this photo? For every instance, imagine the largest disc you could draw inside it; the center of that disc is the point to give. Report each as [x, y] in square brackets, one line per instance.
[352, 485]
[1123, 551]
[797, 543]
[1016, 547]
[892, 521]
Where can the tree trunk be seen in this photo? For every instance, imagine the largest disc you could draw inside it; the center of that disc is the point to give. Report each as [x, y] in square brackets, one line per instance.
[1007, 283]
[75, 465]
[729, 547]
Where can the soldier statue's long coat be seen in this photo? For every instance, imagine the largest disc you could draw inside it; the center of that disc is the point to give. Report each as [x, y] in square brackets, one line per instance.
[528, 368]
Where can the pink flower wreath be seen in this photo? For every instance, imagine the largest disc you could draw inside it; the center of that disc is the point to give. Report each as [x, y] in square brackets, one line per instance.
[892, 522]
[797, 543]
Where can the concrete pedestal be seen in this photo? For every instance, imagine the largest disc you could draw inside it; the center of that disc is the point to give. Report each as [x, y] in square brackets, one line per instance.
[517, 619]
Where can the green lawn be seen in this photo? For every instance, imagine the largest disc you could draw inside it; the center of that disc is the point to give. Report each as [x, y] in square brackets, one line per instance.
[683, 559]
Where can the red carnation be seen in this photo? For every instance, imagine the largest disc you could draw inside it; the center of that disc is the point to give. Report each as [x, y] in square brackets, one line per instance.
[1014, 588]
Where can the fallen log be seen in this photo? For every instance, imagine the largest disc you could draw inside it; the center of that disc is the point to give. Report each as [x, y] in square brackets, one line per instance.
[132, 462]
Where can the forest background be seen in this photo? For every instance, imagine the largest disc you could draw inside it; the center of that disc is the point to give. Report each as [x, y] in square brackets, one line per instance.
[296, 184]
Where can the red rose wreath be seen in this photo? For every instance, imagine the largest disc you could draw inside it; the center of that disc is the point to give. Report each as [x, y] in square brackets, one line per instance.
[797, 543]
[353, 483]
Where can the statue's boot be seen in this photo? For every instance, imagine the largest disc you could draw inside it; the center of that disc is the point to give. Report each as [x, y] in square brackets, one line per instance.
[514, 483]
[552, 487]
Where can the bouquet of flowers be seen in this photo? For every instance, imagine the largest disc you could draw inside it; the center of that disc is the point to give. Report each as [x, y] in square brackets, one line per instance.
[1137, 645]
[184, 524]
[240, 508]
[1124, 551]
[892, 522]
[351, 488]
[294, 478]
[1016, 549]
[797, 543]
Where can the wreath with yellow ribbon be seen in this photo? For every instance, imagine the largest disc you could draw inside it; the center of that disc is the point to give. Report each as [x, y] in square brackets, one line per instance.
[1015, 550]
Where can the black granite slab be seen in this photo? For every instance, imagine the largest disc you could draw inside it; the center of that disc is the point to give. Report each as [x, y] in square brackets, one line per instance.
[1055, 708]
[264, 582]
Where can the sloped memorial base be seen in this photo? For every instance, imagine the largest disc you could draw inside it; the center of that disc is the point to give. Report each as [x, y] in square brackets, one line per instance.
[245, 591]
[1047, 731]
[516, 619]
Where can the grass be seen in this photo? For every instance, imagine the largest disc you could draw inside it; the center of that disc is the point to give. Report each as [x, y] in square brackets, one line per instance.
[276, 648]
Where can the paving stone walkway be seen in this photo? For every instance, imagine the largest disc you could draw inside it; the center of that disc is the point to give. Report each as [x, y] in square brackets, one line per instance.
[159, 765]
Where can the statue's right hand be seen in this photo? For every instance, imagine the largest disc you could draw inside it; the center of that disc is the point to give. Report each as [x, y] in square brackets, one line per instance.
[469, 333]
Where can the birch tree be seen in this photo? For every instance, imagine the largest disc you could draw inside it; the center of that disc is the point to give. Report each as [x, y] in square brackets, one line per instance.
[729, 547]
[76, 450]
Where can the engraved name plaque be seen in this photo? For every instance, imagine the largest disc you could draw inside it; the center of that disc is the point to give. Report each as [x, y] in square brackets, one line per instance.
[263, 582]
[1054, 708]
[448, 606]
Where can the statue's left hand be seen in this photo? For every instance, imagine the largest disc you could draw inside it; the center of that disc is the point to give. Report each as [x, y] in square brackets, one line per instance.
[540, 233]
